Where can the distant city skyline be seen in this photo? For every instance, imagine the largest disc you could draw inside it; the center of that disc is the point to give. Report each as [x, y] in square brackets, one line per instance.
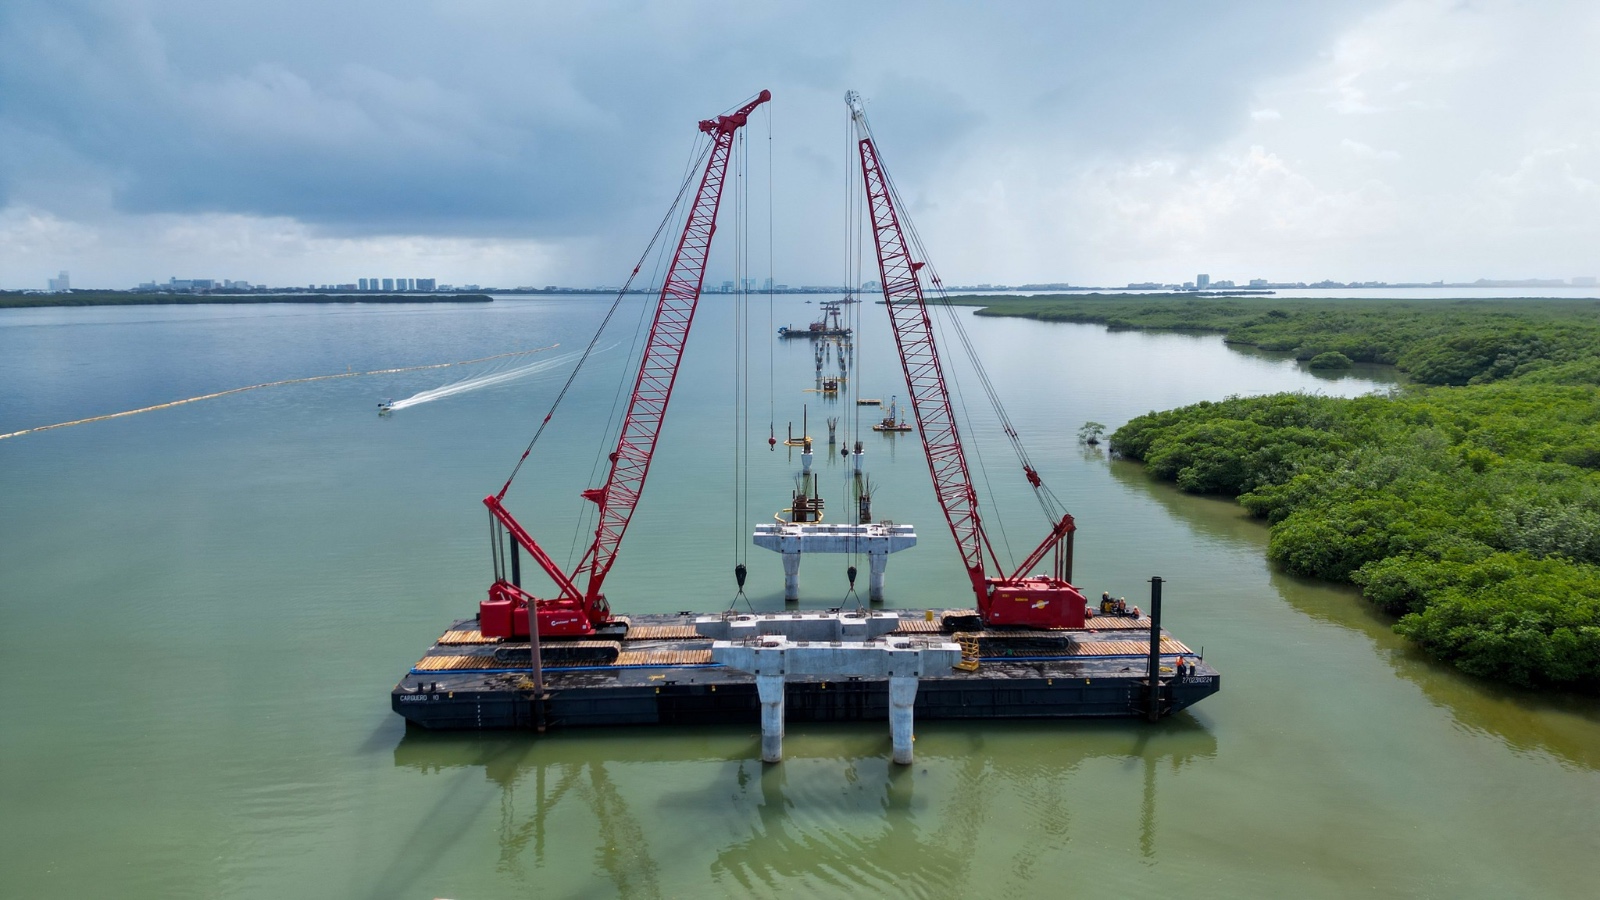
[1201, 282]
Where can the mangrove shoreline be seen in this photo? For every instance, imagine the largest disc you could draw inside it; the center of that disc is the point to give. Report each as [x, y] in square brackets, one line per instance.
[1466, 502]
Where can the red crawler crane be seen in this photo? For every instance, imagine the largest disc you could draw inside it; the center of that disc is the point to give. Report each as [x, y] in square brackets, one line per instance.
[573, 612]
[1039, 601]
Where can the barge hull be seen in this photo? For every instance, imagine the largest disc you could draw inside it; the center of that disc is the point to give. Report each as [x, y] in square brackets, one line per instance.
[1106, 678]
[696, 704]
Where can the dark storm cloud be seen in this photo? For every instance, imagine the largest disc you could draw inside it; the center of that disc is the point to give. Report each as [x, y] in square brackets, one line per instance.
[544, 119]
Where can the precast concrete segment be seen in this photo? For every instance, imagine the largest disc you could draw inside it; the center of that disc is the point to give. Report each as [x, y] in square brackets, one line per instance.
[839, 626]
[902, 701]
[791, 575]
[770, 689]
[771, 659]
[793, 539]
[881, 658]
[877, 563]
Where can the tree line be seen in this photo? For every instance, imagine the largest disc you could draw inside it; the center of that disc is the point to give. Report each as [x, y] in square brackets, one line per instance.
[1467, 502]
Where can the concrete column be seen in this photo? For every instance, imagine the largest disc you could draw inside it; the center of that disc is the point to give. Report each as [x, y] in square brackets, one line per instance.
[877, 563]
[805, 459]
[791, 575]
[902, 700]
[770, 687]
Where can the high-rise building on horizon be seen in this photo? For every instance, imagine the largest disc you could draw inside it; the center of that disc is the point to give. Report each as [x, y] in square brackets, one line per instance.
[1202, 281]
[60, 285]
[388, 284]
[426, 284]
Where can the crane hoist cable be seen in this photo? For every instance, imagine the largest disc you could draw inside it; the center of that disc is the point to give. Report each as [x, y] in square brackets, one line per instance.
[1051, 505]
[576, 611]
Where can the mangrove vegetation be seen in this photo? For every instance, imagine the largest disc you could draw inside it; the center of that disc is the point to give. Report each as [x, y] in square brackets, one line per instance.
[1467, 503]
[1455, 342]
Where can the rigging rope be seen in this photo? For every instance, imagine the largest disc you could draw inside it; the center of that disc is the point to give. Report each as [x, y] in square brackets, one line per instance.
[741, 250]
[1051, 505]
[589, 513]
[683, 189]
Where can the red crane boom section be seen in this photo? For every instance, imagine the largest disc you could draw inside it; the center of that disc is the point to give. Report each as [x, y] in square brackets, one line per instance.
[658, 370]
[570, 613]
[1045, 601]
[930, 398]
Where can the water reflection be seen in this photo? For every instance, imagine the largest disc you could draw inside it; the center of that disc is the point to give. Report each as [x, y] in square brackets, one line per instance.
[1566, 726]
[1385, 375]
[835, 814]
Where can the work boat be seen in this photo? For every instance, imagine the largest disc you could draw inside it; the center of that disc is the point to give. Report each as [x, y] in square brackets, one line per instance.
[385, 406]
[891, 420]
[829, 326]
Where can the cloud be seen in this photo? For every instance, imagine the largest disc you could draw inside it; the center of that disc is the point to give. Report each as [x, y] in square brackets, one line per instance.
[277, 251]
[1362, 151]
[1488, 140]
[1033, 141]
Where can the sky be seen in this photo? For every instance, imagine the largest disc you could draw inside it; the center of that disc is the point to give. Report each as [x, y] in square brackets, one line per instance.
[522, 142]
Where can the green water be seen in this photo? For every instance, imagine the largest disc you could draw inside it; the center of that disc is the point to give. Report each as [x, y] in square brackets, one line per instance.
[202, 611]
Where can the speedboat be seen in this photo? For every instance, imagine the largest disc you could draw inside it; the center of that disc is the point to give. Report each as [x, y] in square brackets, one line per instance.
[385, 406]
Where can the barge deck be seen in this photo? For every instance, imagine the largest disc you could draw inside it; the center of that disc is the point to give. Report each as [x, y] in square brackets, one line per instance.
[661, 672]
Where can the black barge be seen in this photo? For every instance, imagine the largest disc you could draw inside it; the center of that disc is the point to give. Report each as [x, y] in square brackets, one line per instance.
[660, 672]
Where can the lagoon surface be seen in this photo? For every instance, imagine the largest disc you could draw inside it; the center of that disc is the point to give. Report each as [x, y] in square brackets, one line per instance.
[203, 608]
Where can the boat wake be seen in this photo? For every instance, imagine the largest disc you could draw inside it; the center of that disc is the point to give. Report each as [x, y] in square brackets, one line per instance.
[478, 382]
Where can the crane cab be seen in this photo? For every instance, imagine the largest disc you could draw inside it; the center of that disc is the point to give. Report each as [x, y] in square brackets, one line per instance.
[1037, 602]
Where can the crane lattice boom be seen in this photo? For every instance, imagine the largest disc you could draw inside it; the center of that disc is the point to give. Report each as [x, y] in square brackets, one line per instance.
[1045, 601]
[572, 613]
[919, 357]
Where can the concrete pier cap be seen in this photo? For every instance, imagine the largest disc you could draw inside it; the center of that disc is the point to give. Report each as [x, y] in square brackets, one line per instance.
[875, 539]
[902, 661]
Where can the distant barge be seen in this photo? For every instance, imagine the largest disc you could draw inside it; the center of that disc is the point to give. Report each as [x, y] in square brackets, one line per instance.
[662, 674]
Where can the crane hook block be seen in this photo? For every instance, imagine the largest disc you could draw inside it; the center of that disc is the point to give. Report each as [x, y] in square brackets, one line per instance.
[851, 573]
[738, 575]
